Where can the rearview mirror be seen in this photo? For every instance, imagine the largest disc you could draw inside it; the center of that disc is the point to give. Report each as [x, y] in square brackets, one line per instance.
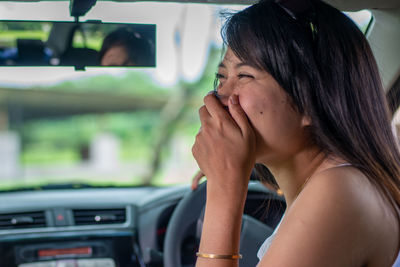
[78, 44]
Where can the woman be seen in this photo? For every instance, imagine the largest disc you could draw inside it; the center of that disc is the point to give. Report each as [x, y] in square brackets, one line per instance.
[304, 98]
[125, 47]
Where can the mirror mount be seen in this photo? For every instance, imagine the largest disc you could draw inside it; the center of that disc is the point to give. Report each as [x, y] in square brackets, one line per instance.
[78, 8]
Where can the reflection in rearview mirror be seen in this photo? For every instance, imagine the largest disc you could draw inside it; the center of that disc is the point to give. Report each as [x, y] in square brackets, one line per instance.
[81, 44]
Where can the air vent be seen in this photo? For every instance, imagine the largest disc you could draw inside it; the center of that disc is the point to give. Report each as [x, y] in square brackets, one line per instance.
[22, 220]
[99, 216]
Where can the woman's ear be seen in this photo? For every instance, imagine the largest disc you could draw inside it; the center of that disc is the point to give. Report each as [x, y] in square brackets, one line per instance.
[305, 121]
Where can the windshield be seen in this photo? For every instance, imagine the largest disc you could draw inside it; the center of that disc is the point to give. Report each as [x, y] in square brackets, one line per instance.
[110, 126]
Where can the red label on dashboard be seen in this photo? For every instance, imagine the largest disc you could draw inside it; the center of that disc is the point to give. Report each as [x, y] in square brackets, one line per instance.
[87, 251]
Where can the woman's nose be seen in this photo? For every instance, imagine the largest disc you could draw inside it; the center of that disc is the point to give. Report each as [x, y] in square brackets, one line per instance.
[224, 92]
[222, 98]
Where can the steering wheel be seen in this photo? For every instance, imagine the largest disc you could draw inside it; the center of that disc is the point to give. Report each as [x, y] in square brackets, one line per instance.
[187, 213]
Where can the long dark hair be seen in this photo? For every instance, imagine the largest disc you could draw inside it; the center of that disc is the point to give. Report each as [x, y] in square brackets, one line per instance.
[325, 64]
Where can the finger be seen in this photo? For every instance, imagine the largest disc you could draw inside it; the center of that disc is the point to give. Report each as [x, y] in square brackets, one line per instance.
[204, 115]
[238, 114]
[215, 108]
[196, 179]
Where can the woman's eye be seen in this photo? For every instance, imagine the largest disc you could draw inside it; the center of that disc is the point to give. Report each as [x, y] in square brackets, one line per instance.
[219, 76]
[242, 75]
[218, 81]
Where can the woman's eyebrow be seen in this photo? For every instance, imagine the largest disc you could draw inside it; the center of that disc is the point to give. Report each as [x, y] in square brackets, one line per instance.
[245, 64]
[238, 65]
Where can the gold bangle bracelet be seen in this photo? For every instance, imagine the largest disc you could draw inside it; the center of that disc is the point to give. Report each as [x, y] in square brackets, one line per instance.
[219, 256]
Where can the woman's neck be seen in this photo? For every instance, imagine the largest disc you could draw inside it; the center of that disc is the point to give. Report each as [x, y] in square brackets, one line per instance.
[292, 174]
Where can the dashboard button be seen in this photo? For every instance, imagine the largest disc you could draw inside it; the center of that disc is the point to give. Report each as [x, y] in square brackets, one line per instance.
[60, 217]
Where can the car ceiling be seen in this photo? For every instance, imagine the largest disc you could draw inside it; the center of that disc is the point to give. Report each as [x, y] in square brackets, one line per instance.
[348, 5]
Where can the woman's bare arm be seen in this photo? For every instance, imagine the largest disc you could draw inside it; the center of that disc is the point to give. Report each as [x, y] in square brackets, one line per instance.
[221, 229]
[224, 150]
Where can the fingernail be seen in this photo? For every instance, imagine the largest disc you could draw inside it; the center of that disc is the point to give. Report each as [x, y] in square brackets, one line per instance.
[234, 99]
[211, 92]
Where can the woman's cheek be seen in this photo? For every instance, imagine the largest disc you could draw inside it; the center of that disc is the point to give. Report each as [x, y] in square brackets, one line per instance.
[253, 107]
[246, 105]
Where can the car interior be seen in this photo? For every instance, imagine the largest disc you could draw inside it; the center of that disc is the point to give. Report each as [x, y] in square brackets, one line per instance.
[72, 197]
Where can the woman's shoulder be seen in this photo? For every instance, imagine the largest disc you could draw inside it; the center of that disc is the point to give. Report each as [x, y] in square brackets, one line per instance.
[345, 189]
[344, 183]
[339, 219]
[341, 204]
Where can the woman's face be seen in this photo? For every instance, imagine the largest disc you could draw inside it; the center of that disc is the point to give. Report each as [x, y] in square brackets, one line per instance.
[116, 56]
[279, 128]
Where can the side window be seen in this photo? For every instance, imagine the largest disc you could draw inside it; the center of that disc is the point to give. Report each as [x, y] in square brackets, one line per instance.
[362, 18]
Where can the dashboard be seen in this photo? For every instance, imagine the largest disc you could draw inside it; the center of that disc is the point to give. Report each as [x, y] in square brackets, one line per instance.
[104, 227]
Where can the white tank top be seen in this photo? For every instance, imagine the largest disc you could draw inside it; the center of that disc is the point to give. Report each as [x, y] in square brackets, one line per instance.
[267, 243]
[397, 262]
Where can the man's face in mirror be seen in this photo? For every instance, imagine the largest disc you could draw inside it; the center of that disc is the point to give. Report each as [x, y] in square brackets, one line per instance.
[116, 56]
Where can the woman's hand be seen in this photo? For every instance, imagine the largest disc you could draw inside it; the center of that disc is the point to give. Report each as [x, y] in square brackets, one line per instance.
[225, 145]
[196, 179]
